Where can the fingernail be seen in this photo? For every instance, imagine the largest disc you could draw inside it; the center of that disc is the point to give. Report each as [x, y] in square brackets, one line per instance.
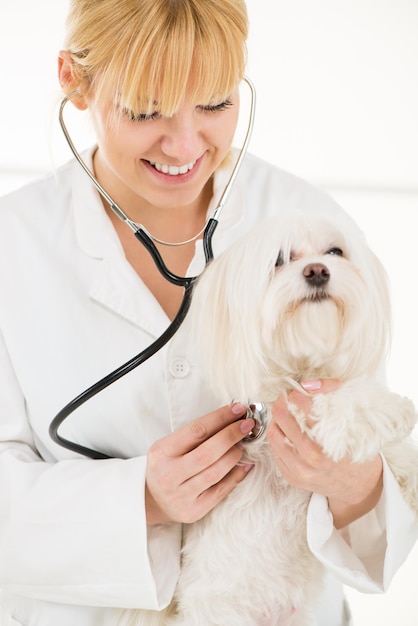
[246, 426]
[311, 385]
[238, 409]
[248, 467]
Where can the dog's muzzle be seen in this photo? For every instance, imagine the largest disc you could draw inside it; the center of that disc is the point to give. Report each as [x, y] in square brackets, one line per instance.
[257, 411]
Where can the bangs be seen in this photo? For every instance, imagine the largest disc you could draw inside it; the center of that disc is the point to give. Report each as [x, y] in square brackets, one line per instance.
[193, 49]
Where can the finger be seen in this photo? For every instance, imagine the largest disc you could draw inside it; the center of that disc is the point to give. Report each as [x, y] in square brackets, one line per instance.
[285, 455]
[179, 491]
[214, 473]
[280, 443]
[320, 386]
[313, 387]
[299, 405]
[287, 440]
[283, 415]
[193, 434]
[217, 492]
[215, 449]
[301, 467]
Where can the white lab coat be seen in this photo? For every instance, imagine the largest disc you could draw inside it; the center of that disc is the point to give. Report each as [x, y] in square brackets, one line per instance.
[73, 537]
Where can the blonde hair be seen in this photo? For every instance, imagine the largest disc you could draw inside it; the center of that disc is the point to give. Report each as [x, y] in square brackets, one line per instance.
[136, 53]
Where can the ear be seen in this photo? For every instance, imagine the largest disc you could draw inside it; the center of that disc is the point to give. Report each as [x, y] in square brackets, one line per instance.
[69, 80]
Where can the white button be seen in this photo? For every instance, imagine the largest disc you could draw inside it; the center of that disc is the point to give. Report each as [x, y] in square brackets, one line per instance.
[179, 368]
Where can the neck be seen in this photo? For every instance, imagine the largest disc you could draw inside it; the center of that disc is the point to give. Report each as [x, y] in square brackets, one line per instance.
[174, 225]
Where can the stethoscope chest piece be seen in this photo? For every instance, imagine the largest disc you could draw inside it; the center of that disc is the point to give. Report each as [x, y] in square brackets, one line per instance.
[258, 412]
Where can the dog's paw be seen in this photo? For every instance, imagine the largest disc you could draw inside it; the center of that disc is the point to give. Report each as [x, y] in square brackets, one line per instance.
[359, 419]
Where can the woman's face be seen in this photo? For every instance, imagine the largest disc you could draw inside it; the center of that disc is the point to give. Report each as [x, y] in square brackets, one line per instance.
[149, 161]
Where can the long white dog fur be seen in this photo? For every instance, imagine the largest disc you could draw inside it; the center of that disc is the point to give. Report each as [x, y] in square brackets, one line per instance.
[300, 297]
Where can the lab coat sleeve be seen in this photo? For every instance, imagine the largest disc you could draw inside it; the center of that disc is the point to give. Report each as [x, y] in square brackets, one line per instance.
[74, 531]
[366, 554]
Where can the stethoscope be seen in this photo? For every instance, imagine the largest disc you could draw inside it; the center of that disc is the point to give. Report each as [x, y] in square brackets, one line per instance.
[255, 410]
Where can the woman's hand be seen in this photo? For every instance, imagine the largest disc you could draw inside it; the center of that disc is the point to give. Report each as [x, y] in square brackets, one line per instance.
[191, 470]
[352, 489]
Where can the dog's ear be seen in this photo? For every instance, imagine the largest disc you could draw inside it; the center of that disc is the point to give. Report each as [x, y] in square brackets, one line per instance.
[374, 332]
[227, 306]
[225, 316]
[380, 306]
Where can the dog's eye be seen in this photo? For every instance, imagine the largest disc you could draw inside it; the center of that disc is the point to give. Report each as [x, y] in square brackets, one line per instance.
[335, 251]
[279, 260]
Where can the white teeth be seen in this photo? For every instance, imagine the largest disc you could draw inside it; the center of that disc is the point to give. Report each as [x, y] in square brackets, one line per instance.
[173, 170]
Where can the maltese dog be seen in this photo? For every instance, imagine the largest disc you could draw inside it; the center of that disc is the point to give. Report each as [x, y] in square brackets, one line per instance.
[300, 297]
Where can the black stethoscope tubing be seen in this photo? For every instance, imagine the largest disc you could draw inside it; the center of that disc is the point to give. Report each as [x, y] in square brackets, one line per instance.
[187, 282]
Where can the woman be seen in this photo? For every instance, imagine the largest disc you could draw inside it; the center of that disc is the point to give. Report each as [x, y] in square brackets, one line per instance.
[90, 542]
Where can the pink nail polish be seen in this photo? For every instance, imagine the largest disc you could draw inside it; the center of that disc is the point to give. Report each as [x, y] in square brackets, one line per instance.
[238, 409]
[311, 385]
[246, 426]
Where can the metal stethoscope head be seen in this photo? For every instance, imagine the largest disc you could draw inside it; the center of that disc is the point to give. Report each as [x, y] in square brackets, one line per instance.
[187, 282]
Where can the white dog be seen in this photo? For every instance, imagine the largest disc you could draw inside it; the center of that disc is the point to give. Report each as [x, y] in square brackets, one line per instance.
[300, 297]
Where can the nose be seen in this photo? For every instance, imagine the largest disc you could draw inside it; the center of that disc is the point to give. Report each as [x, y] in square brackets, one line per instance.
[316, 274]
[181, 139]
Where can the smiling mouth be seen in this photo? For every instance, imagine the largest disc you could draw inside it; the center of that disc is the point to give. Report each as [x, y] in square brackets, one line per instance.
[173, 170]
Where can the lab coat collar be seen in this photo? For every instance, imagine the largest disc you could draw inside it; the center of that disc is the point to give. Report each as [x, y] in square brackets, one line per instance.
[95, 233]
[114, 282]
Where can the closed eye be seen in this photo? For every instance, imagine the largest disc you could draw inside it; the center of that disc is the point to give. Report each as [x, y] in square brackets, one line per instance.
[140, 117]
[215, 108]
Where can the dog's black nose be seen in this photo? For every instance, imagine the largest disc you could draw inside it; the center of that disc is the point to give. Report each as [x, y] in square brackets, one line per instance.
[316, 274]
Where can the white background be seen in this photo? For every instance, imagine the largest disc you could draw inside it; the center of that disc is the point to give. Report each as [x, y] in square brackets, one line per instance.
[337, 84]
